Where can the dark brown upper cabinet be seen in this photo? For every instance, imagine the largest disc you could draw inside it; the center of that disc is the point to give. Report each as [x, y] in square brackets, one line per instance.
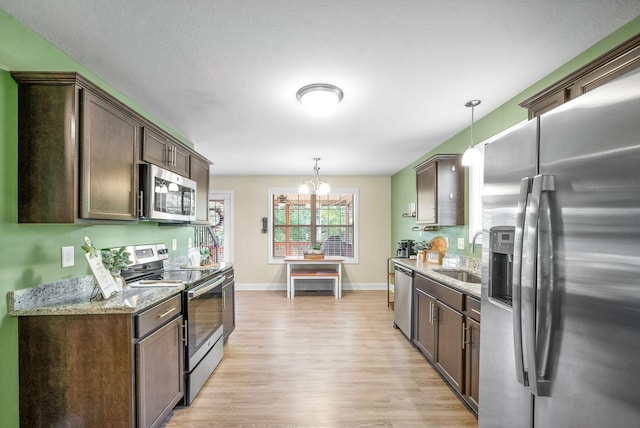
[618, 61]
[440, 191]
[108, 162]
[160, 150]
[77, 151]
[200, 174]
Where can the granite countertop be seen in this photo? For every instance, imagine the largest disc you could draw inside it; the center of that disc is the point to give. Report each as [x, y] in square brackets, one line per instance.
[429, 270]
[73, 297]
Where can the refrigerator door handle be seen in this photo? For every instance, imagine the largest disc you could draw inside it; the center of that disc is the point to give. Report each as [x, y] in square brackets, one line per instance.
[538, 385]
[545, 288]
[525, 188]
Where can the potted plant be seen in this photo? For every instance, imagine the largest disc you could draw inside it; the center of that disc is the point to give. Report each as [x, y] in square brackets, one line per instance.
[421, 248]
[314, 252]
[205, 256]
[114, 260]
[316, 249]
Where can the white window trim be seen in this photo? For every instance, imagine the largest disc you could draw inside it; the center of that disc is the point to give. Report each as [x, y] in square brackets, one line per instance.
[291, 190]
[227, 197]
[476, 183]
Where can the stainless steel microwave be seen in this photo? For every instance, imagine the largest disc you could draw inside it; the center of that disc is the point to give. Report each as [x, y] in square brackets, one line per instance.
[166, 196]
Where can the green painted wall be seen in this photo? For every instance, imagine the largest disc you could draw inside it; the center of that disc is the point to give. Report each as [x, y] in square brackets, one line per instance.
[30, 253]
[403, 182]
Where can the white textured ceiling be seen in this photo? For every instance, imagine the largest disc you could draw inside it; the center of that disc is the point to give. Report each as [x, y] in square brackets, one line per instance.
[224, 73]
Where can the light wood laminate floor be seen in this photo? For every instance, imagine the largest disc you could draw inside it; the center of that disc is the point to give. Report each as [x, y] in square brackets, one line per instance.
[317, 361]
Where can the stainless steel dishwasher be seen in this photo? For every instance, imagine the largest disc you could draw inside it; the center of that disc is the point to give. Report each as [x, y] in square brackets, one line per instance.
[403, 299]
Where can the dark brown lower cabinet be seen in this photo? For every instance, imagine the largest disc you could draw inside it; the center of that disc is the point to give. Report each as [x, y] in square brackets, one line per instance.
[159, 373]
[438, 334]
[229, 308]
[424, 327]
[101, 370]
[472, 363]
[449, 349]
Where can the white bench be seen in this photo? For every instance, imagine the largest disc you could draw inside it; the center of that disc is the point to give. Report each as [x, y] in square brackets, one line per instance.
[314, 269]
[315, 274]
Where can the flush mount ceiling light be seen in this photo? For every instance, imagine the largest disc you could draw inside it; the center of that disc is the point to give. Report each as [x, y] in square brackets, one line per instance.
[318, 186]
[472, 155]
[319, 98]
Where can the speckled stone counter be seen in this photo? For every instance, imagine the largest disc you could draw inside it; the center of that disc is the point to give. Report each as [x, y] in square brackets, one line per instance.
[429, 270]
[73, 297]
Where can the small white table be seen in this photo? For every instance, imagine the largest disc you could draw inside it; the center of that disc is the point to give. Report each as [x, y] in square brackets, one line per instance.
[300, 268]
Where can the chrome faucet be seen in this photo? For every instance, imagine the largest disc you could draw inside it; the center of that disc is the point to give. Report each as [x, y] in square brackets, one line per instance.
[473, 243]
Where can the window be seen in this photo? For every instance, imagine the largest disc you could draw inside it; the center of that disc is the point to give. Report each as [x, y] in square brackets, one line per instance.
[299, 221]
[476, 185]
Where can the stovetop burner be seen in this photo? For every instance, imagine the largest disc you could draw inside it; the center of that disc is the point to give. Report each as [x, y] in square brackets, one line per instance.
[148, 264]
[190, 277]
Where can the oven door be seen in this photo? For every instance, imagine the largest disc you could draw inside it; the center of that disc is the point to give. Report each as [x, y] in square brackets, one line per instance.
[204, 311]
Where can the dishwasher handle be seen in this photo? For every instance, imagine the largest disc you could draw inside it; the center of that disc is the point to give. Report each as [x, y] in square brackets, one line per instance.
[404, 270]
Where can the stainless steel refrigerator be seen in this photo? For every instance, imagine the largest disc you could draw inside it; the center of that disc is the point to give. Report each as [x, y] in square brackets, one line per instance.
[560, 331]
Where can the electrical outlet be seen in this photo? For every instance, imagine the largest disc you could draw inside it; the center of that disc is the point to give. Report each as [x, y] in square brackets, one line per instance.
[67, 257]
[174, 244]
[189, 242]
[460, 243]
[446, 239]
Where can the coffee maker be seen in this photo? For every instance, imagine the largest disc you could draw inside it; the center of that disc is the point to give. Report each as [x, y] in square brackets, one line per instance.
[405, 248]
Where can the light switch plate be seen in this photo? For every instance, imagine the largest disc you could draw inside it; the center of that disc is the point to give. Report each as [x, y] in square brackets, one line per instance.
[174, 244]
[460, 243]
[189, 242]
[67, 257]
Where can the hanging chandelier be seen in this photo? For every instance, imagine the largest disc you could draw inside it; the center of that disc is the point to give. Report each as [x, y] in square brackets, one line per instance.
[472, 155]
[315, 185]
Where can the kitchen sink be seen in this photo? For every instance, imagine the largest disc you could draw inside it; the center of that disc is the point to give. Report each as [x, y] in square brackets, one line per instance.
[460, 275]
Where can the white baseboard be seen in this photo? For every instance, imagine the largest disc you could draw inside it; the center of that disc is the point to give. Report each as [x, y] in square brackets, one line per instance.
[283, 287]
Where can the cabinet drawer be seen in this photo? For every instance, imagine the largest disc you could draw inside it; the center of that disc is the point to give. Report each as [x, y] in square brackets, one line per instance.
[156, 316]
[472, 308]
[446, 295]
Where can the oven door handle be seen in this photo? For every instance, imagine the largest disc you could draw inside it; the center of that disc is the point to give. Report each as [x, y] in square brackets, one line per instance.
[200, 290]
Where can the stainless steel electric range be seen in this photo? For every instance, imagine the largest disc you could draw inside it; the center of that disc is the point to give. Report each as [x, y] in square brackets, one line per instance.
[202, 306]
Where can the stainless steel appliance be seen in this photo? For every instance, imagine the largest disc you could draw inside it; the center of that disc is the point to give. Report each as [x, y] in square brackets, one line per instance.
[403, 299]
[166, 196]
[405, 248]
[202, 304]
[560, 294]
[205, 348]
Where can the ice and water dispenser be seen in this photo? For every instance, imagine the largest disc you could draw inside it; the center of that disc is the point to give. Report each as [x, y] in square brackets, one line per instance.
[501, 264]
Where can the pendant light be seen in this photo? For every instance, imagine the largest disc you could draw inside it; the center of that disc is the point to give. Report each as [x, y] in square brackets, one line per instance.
[472, 155]
[315, 185]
